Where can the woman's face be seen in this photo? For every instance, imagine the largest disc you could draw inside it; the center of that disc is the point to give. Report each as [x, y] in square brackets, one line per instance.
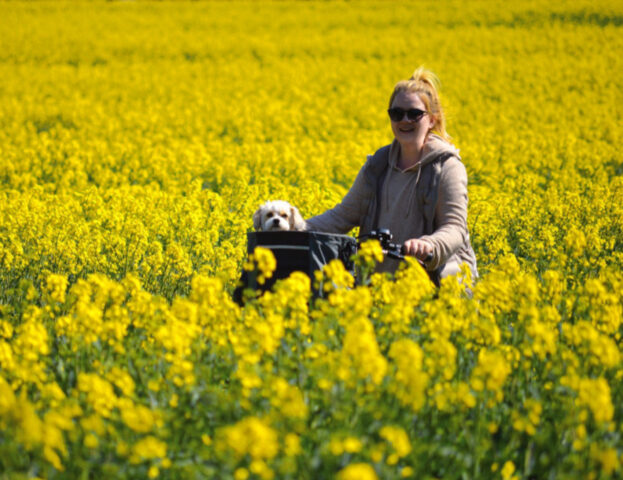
[411, 133]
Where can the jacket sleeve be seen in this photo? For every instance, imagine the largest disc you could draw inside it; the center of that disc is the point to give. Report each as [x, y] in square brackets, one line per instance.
[450, 213]
[346, 215]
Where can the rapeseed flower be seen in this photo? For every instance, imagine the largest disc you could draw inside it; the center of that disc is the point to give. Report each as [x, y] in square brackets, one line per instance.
[264, 261]
[148, 448]
[490, 373]
[398, 439]
[357, 471]
[409, 381]
[252, 436]
[124, 210]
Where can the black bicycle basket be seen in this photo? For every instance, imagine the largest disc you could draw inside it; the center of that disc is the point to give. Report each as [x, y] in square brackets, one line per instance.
[297, 251]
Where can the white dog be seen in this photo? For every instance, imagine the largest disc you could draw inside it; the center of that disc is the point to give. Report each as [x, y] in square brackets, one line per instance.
[278, 215]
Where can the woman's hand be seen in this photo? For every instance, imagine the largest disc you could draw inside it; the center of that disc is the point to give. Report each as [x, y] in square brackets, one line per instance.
[421, 249]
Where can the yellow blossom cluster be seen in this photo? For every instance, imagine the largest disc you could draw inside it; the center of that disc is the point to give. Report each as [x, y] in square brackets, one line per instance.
[138, 138]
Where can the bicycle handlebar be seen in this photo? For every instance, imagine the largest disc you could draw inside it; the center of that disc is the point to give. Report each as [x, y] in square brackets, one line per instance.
[392, 250]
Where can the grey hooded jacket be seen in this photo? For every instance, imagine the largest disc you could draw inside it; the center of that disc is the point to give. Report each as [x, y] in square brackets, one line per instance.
[427, 201]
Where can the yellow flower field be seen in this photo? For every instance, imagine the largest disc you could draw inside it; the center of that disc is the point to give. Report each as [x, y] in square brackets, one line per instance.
[136, 141]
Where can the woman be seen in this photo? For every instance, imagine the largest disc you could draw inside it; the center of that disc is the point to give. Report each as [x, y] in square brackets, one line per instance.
[416, 187]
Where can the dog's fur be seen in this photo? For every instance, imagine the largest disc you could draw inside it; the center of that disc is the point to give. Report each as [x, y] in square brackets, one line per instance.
[278, 215]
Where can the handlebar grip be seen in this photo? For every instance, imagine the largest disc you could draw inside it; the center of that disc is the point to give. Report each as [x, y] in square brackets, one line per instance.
[395, 255]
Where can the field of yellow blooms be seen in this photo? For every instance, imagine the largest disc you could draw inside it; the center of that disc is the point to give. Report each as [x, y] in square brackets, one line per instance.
[136, 141]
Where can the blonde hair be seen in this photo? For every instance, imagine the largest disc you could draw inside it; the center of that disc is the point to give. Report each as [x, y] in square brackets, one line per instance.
[427, 85]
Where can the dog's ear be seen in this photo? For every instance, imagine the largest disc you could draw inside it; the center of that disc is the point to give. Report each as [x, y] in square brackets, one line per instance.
[257, 219]
[296, 220]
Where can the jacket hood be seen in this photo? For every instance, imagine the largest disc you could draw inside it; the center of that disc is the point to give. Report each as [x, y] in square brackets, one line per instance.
[435, 146]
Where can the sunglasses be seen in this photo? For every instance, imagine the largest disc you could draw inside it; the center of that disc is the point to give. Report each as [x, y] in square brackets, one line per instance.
[413, 114]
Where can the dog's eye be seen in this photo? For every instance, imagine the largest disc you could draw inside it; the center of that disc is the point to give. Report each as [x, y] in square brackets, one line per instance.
[269, 215]
[284, 215]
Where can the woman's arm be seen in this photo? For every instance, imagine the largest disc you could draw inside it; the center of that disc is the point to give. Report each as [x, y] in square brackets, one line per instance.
[450, 213]
[346, 215]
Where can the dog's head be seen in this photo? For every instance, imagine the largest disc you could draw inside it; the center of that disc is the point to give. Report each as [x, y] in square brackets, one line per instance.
[277, 215]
